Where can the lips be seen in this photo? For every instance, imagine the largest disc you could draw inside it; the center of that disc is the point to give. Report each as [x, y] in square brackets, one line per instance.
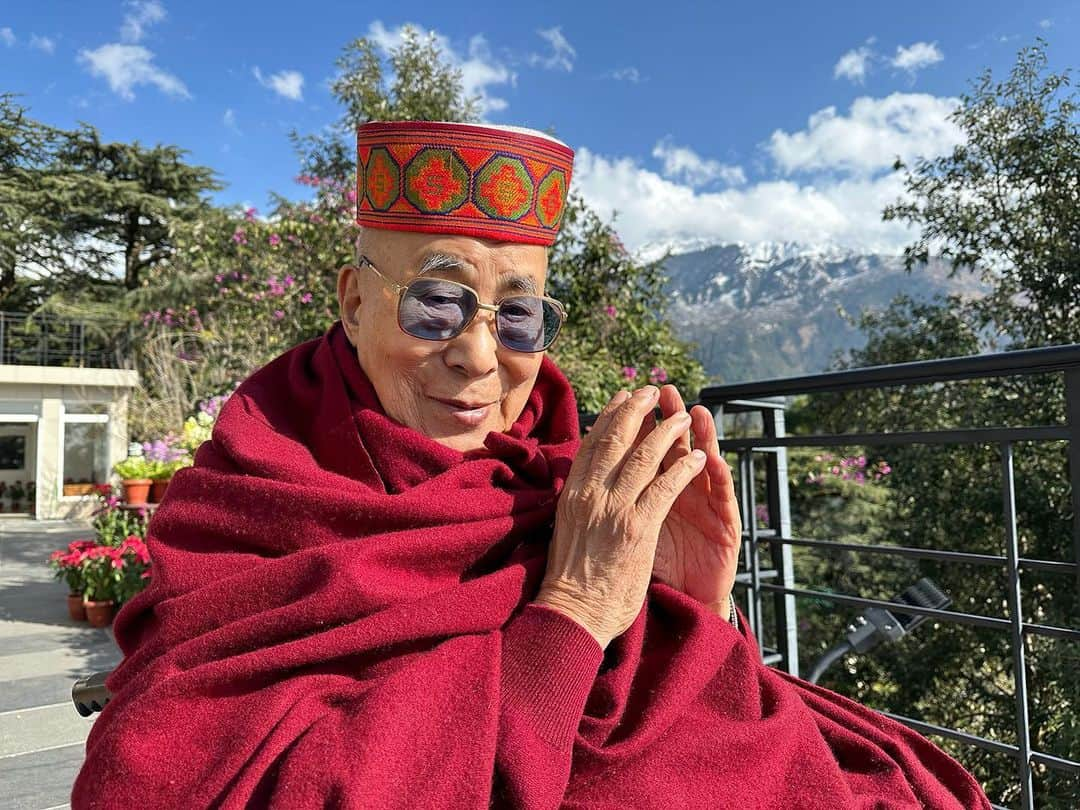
[465, 406]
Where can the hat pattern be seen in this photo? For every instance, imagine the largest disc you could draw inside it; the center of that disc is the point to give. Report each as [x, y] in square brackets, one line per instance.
[461, 178]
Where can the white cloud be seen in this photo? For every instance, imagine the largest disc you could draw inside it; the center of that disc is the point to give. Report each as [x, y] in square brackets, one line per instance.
[7, 36]
[854, 64]
[684, 164]
[651, 208]
[287, 83]
[870, 137]
[626, 74]
[125, 66]
[229, 120]
[916, 57]
[1046, 25]
[562, 54]
[43, 44]
[480, 70]
[142, 14]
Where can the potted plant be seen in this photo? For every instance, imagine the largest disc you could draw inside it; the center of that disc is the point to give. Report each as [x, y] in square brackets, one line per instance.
[17, 492]
[112, 523]
[102, 573]
[67, 566]
[136, 476]
[135, 568]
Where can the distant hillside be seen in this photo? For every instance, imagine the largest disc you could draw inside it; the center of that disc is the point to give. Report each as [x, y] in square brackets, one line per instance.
[770, 310]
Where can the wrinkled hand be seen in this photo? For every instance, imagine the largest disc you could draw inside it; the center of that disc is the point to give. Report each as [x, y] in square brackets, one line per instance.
[698, 549]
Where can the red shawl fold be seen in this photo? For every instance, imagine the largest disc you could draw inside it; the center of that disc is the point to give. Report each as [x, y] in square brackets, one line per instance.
[338, 617]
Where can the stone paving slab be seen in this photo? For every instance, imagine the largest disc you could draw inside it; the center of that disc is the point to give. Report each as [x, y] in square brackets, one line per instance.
[40, 780]
[42, 653]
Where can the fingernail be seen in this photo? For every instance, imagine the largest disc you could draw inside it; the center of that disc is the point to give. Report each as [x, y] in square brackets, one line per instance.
[647, 392]
[621, 397]
[699, 455]
[682, 418]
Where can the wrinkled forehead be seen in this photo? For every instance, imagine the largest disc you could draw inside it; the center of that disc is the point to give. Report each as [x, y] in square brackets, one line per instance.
[505, 266]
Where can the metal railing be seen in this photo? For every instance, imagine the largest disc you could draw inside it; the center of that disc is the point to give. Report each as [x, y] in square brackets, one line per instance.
[756, 582]
[50, 340]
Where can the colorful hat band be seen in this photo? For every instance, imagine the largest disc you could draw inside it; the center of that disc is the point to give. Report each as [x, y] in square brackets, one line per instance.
[461, 178]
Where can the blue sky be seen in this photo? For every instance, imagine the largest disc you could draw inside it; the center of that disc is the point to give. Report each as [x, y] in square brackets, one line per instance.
[711, 121]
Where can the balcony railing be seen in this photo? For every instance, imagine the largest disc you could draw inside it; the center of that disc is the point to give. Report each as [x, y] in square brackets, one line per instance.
[49, 340]
[766, 569]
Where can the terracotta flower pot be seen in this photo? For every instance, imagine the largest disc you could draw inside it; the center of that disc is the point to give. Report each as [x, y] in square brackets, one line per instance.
[136, 491]
[157, 490]
[76, 609]
[100, 614]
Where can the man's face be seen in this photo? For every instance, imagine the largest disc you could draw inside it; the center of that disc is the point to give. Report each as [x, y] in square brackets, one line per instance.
[410, 375]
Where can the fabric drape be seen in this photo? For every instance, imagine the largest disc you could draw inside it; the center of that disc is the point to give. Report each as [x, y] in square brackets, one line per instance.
[339, 616]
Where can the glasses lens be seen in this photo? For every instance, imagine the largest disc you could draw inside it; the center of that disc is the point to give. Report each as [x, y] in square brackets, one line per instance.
[527, 323]
[433, 309]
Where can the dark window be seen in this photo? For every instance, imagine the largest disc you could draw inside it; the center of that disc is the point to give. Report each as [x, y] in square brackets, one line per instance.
[12, 452]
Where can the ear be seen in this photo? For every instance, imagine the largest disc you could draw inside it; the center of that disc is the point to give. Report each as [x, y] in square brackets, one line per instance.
[349, 300]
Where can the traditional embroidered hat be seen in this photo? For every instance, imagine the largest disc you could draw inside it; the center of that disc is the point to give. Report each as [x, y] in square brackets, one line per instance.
[505, 183]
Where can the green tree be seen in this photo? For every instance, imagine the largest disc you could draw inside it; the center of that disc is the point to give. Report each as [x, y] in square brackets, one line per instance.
[125, 200]
[1006, 202]
[29, 234]
[424, 87]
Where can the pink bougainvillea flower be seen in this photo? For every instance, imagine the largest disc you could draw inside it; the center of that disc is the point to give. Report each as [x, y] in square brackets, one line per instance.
[629, 372]
[611, 311]
[305, 298]
[274, 240]
[278, 314]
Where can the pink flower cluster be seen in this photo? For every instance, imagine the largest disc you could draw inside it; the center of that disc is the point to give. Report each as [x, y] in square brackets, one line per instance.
[657, 375]
[73, 555]
[172, 317]
[848, 468]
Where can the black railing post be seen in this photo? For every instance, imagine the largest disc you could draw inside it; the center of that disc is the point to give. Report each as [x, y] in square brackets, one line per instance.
[1072, 416]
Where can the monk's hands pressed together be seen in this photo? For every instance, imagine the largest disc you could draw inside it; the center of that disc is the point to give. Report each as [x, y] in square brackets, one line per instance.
[617, 505]
[698, 548]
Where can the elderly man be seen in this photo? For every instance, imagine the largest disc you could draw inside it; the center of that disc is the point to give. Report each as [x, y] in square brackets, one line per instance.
[396, 578]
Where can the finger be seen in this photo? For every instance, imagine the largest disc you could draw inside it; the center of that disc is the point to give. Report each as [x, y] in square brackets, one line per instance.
[703, 429]
[613, 442]
[655, 502]
[643, 464]
[583, 461]
[671, 402]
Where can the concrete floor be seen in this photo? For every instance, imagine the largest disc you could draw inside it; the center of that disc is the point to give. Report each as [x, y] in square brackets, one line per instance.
[42, 653]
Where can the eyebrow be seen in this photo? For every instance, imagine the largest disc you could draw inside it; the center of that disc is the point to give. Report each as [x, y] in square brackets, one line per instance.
[451, 265]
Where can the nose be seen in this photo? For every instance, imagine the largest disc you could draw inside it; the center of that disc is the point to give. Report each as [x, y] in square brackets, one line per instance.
[475, 350]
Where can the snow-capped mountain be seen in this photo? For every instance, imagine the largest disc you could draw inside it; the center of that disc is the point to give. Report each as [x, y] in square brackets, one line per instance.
[765, 310]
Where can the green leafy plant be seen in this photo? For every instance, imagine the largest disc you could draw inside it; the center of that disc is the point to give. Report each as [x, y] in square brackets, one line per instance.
[135, 467]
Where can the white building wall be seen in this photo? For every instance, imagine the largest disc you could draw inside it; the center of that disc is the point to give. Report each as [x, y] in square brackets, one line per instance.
[40, 392]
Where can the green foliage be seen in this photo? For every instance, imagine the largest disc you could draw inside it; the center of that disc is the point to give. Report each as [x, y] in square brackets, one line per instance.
[134, 468]
[128, 199]
[425, 87]
[29, 231]
[1006, 202]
